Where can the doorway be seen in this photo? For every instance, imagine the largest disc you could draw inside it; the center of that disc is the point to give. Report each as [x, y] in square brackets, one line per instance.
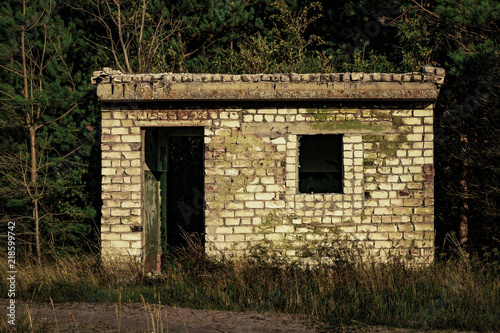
[174, 189]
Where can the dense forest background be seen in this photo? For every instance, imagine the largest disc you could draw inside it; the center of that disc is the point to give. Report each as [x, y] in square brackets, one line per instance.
[50, 117]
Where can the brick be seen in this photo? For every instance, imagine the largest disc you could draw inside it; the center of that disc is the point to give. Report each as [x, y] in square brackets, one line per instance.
[353, 139]
[267, 180]
[111, 188]
[274, 188]
[108, 171]
[254, 204]
[424, 227]
[278, 141]
[429, 137]
[243, 229]
[118, 115]
[120, 244]
[232, 221]
[379, 244]
[111, 155]
[393, 178]
[120, 147]
[265, 196]
[411, 121]
[414, 153]
[284, 229]
[402, 113]
[130, 123]
[110, 236]
[131, 138]
[120, 212]
[131, 204]
[133, 171]
[378, 236]
[255, 188]
[275, 204]
[110, 138]
[414, 137]
[242, 164]
[387, 228]
[379, 195]
[366, 228]
[234, 205]
[230, 123]
[136, 236]
[244, 196]
[224, 230]
[383, 211]
[111, 123]
[120, 130]
[402, 210]
[418, 129]
[424, 210]
[419, 160]
[422, 113]
[131, 155]
[267, 111]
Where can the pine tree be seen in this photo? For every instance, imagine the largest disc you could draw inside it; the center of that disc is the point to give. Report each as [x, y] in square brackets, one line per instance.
[43, 128]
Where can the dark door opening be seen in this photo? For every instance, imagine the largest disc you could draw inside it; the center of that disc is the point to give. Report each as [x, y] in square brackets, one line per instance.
[174, 189]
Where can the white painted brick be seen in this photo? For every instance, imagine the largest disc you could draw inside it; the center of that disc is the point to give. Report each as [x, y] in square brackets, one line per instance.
[265, 196]
[267, 111]
[248, 118]
[414, 137]
[275, 204]
[353, 139]
[254, 204]
[230, 123]
[284, 228]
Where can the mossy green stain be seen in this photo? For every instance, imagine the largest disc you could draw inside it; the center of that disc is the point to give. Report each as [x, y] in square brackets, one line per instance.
[320, 111]
[371, 138]
[351, 125]
[382, 115]
[368, 162]
[398, 121]
[235, 144]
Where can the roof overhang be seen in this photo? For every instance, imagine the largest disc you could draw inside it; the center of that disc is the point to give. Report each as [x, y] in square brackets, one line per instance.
[114, 86]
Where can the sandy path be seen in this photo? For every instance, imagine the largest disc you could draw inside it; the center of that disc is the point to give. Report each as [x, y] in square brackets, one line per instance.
[102, 317]
[80, 317]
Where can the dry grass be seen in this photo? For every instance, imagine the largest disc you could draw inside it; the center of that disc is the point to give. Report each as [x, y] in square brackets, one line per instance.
[461, 294]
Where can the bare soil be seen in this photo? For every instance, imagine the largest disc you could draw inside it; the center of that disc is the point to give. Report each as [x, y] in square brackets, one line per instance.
[137, 317]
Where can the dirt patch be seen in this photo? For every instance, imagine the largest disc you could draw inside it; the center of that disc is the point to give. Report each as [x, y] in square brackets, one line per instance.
[136, 317]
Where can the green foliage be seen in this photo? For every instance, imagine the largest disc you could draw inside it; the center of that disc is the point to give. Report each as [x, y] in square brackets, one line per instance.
[371, 63]
[417, 44]
[237, 36]
[44, 99]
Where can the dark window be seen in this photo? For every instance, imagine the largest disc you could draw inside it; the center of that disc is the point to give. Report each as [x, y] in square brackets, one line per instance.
[320, 163]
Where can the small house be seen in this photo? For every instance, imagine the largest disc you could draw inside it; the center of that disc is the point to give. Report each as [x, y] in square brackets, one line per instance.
[243, 160]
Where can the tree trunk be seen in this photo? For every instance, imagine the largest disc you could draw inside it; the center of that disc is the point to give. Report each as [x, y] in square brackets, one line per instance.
[463, 225]
[34, 172]
[32, 130]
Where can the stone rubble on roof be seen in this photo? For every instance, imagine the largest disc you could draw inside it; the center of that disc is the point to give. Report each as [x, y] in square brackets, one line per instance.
[427, 74]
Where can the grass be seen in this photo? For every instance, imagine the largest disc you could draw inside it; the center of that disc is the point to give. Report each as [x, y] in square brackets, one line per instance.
[461, 294]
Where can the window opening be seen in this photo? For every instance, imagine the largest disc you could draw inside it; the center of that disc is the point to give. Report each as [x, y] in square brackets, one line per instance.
[320, 163]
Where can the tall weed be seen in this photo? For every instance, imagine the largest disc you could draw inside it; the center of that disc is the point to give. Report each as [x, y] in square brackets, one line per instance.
[460, 294]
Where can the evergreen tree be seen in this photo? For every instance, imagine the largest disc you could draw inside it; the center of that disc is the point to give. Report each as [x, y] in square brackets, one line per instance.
[48, 122]
[45, 135]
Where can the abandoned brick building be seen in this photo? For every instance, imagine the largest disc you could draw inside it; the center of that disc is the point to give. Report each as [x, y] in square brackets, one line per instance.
[248, 159]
